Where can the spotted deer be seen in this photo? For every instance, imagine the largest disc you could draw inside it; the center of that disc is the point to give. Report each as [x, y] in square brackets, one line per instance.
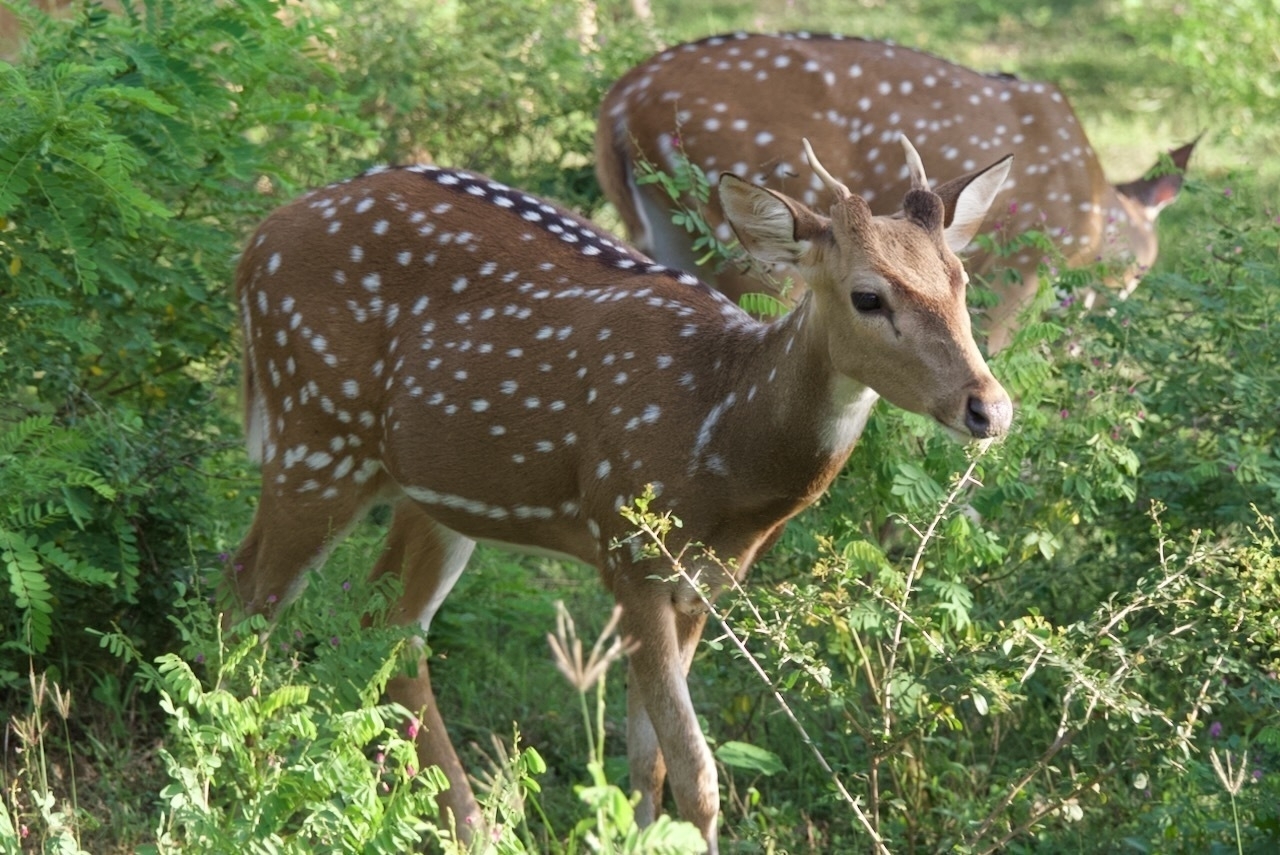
[725, 102]
[499, 370]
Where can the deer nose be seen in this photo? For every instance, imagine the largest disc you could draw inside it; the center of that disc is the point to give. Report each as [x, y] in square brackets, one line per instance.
[988, 418]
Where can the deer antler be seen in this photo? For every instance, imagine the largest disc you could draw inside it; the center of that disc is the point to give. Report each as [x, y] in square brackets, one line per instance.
[837, 189]
[919, 181]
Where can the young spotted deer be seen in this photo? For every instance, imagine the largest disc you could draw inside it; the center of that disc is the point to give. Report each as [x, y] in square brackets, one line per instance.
[722, 102]
[500, 370]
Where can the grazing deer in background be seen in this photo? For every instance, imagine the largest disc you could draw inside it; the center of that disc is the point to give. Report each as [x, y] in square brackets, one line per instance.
[500, 370]
[738, 103]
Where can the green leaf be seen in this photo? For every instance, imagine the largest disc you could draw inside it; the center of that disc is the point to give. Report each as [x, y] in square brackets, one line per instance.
[742, 755]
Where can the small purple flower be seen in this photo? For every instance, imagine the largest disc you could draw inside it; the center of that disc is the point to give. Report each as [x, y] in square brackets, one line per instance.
[1257, 775]
[346, 586]
[1227, 192]
[271, 599]
[1066, 414]
[335, 641]
[199, 658]
[223, 557]
[1215, 730]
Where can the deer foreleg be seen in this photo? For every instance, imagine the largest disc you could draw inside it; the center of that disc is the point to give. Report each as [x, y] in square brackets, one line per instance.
[663, 734]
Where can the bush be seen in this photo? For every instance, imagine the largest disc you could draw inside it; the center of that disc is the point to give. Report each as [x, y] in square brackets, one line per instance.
[136, 149]
[508, 89]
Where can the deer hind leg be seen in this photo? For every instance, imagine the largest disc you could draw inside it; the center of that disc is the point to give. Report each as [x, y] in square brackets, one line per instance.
[663, 735]
[428, 558]
[293, 530]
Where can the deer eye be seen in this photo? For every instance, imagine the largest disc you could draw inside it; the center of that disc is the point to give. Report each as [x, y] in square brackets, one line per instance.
[866, 301]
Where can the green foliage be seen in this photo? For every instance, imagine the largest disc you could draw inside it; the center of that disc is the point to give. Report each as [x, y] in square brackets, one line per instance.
[280, 745]
[1223, 47]
[49, 487]
[136, 149]
[1210, 447]
[509, 89]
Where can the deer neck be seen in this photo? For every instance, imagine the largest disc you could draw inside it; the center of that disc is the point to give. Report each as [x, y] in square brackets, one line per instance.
[784, 410]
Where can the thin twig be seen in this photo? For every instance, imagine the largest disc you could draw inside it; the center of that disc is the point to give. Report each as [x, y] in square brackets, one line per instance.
[912, 573]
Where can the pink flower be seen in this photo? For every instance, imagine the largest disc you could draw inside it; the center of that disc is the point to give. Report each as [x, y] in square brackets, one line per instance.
[1065, 414]
[1215, 730]
[409, 770]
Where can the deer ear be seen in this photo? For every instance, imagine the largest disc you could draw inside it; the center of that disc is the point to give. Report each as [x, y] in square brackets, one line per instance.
[1163, 183]
[967, 200]
[770, 226]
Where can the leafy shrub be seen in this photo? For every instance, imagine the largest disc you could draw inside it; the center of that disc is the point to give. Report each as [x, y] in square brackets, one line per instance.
[509, 89]
[136, 148]
[281, 745]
